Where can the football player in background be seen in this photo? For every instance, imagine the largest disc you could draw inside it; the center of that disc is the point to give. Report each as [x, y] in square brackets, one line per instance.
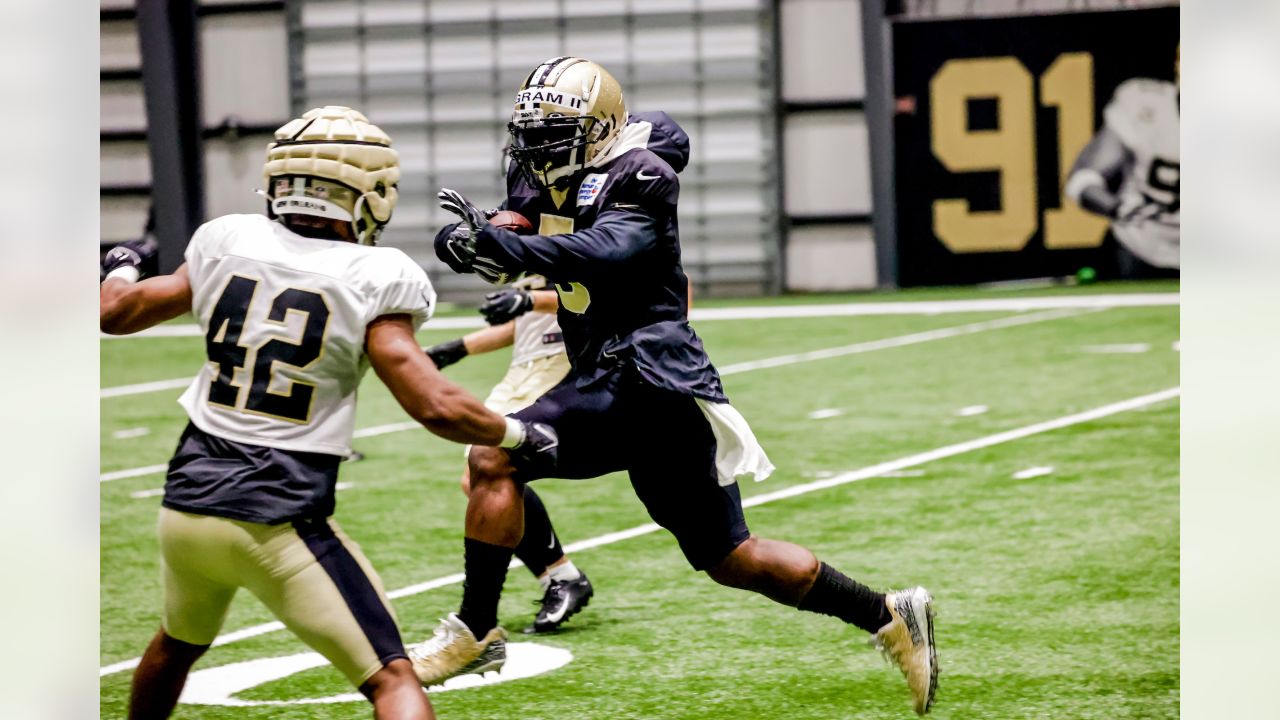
[1130, 172]
[642, 395]
[523, 317]
[295, 307]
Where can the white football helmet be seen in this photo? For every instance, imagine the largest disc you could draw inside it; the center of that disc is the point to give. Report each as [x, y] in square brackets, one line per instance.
[333, 163]
[567, 113]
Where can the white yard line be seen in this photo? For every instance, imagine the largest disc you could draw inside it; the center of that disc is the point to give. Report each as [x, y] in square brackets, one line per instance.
[765, 312]
[1084, 302]
[842, 479]
[145, 387]
[937, 307]
[854, 349]
[131, 433]
[133, 472]
[903, 340]
[1117, 348]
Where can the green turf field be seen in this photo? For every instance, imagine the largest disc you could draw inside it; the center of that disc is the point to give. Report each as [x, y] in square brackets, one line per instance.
[1057, 594]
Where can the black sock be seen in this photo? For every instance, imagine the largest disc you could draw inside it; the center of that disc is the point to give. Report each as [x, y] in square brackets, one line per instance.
[486, 570]
[534, 550]
[835, 594]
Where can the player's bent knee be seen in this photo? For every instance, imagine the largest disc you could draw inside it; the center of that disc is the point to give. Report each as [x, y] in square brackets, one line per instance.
[393, 676]
[737, 568]
[487, 464]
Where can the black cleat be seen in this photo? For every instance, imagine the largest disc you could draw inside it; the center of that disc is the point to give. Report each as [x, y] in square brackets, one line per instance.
[563, 599]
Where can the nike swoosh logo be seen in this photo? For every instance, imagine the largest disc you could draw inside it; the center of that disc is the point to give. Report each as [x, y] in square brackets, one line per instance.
[641, 176]
[564, 606]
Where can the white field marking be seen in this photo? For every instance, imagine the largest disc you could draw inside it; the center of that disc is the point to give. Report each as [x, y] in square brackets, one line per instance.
[825, 413]
[219, 685]
[1033, 472]
[781, 360]
[902, 340]
[768, 312]
[385, 429]
[903, 473]
[146, 387]
[133, 472]
[1117, 348]
[971, 410]
[131, 433]
[903, 463]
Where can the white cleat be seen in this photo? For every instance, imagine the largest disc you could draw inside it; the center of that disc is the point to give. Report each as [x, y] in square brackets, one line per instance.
[453, 651]
[907, 641]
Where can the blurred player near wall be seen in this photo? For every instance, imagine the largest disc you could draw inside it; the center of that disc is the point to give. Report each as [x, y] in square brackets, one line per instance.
[1130, 172]
[600, 187]
[295, 307]
[523, 317]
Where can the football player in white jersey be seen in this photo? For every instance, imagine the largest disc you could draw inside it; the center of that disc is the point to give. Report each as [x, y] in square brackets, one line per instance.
[1130, 173]
[523, 317]
[295, 307]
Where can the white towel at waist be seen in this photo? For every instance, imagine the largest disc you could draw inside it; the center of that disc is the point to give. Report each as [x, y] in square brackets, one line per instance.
[738, 453]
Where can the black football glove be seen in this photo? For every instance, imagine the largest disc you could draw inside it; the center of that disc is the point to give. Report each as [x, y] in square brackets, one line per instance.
[447, 353]
[459, 245]
[506, 305]
[540, 448]
[456, 247]
[140, 254]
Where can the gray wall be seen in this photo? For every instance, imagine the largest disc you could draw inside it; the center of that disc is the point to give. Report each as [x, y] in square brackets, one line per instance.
[244, 72]
[826, 162]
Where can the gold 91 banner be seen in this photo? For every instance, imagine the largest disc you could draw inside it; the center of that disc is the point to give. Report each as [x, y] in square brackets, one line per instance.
[991, 114]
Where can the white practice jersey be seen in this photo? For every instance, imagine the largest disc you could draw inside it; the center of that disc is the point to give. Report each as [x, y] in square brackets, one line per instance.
[538, 334]
[284, 318]
[1145, 115]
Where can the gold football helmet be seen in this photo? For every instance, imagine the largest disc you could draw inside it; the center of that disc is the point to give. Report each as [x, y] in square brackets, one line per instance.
[332, 162]
[567, 113]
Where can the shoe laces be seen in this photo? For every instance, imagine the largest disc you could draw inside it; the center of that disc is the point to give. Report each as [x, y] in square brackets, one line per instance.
[554, 594]
[441, 638]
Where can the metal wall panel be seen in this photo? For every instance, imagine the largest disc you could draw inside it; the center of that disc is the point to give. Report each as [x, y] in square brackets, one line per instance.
[439, 75]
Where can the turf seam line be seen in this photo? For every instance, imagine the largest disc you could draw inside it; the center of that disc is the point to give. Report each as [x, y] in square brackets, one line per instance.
[735, 368]
[947, 451]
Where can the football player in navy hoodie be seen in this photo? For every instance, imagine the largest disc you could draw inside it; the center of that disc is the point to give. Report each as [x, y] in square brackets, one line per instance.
[600, 189]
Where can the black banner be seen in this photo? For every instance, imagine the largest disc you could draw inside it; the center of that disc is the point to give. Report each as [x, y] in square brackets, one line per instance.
[990, 114]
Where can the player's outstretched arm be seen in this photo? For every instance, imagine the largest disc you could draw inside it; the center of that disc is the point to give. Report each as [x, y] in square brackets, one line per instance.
[442, 407]
[620, 233]
[1097, 169]
[546, 301]
[489, 339]
[126, 307]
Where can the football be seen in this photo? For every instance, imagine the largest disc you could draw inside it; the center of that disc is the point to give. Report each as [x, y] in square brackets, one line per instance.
[513, 221]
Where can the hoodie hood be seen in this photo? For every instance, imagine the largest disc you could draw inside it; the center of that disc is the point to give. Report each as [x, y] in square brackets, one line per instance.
[655, 131]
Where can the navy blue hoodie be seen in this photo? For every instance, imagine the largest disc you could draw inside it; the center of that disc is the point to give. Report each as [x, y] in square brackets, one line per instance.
[610, 244]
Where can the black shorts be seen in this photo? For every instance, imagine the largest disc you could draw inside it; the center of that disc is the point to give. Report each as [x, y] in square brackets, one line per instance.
[664, 443]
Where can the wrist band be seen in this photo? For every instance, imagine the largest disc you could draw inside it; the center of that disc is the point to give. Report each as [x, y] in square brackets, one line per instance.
[128, 273]
[514, 434]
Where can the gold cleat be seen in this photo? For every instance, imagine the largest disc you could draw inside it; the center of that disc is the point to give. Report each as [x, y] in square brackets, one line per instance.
[907, 641]
[453, 651]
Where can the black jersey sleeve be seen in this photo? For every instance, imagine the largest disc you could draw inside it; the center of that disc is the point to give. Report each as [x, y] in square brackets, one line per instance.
[619, 234]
